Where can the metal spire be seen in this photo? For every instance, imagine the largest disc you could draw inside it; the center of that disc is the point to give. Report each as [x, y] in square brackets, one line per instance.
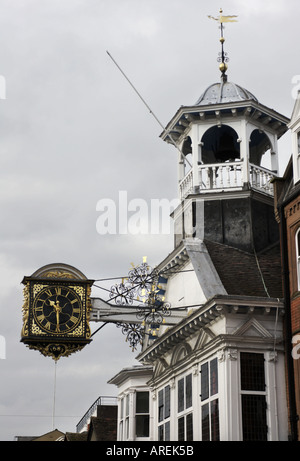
[223, 58]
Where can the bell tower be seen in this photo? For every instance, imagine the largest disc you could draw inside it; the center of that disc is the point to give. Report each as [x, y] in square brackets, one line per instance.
[227, 159]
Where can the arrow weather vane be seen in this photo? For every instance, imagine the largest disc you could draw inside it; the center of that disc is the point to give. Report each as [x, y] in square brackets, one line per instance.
[223, 56]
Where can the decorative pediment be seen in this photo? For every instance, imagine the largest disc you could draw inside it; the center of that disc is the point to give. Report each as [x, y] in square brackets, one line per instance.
[160, 367]
[204, 337]
[179, 354]
[253, 328]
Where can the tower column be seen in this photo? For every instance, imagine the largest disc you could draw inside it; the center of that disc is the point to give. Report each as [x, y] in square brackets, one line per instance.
[244, 151]
[274, 156]
[180, 172]
[195, 154]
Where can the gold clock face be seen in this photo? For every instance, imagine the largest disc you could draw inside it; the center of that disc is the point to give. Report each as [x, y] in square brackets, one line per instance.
[57, 309]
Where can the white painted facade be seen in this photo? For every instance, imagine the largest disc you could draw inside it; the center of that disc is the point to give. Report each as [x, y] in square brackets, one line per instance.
[294, 126]
[200, 371]
[220, 332]
[212, 327]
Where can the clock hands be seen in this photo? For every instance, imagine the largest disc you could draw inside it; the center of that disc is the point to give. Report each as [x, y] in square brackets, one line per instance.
[57, 308]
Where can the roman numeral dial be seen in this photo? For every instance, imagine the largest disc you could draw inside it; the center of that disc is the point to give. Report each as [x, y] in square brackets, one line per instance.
[57, 309]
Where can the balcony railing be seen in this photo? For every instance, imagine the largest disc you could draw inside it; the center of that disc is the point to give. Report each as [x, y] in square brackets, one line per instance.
[219, 177]
[261, 179]
[186, 185]
[110, 401]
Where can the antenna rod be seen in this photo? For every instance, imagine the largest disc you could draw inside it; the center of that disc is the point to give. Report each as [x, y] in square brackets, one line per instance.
[150, 110]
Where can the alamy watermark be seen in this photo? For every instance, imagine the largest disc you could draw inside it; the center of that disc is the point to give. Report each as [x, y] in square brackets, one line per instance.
[296, 348]
[2, 87]
[2, 347]
[2, 339]
[296, 86]
[135, 216]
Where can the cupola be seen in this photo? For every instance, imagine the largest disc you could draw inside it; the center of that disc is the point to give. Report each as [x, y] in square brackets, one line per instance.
[226, 145]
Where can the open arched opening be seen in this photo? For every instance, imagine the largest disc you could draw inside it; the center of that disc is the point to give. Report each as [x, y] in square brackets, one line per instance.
[187, 152]
[260, 149]
[220, 144]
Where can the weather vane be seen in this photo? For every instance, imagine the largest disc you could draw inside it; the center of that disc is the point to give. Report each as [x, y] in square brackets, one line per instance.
[223, 59]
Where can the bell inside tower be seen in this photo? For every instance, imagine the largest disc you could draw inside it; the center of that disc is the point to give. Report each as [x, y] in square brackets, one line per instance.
[220, 144]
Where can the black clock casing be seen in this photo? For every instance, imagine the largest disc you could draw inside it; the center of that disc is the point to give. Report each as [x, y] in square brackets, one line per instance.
[56, 310]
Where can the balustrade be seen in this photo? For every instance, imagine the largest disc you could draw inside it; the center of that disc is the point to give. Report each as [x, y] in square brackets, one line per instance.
[217, 177]
[260, 178]
[186, 185]
[220, 176]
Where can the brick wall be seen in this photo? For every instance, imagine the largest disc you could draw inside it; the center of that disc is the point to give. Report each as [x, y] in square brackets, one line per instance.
[292, 215]
[107, 417]
[295, 313]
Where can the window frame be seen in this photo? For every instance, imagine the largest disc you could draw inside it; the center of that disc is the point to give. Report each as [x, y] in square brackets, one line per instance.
[296, 155]
[209, 402]
[145, 415]
[185, 408]
[257, 394]
[164, 413]
[124, 417]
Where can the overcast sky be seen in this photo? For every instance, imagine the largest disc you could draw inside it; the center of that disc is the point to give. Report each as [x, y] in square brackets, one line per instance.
[73, 132]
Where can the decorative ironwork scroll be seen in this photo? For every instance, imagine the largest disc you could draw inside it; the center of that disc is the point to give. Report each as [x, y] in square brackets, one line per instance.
[154, 310]
[122, 293]
[142, 284]
[142, 279]
[134, 333]
[138, 284]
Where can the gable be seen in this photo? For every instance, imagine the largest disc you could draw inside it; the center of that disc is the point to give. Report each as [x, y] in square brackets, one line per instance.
[204, 337]
[295, 114]
[180, 353]
[253, 328]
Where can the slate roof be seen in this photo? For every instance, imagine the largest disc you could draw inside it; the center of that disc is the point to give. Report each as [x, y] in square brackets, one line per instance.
[240, 274]
[76, 436]
[223, 92]
[53, 436]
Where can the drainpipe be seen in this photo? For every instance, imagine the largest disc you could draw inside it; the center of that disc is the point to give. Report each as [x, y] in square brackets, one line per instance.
[288, 327]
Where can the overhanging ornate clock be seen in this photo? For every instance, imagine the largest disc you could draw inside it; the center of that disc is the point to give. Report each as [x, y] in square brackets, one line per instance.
[56, 310]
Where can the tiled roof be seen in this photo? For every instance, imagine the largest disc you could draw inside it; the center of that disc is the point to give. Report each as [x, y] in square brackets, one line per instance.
[240, 274]
[76, 436]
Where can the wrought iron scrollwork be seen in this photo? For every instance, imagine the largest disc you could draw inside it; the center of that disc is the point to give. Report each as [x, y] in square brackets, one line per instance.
[142, 279]
[134, 333]
[154, 313]
[142, 283]
[122, 294]
[223, 57]
[139, 283]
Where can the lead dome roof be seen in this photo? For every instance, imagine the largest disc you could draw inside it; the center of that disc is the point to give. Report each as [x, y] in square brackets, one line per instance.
[224, 92]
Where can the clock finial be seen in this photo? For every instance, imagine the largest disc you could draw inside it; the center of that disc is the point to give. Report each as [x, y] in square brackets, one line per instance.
[223, 58]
